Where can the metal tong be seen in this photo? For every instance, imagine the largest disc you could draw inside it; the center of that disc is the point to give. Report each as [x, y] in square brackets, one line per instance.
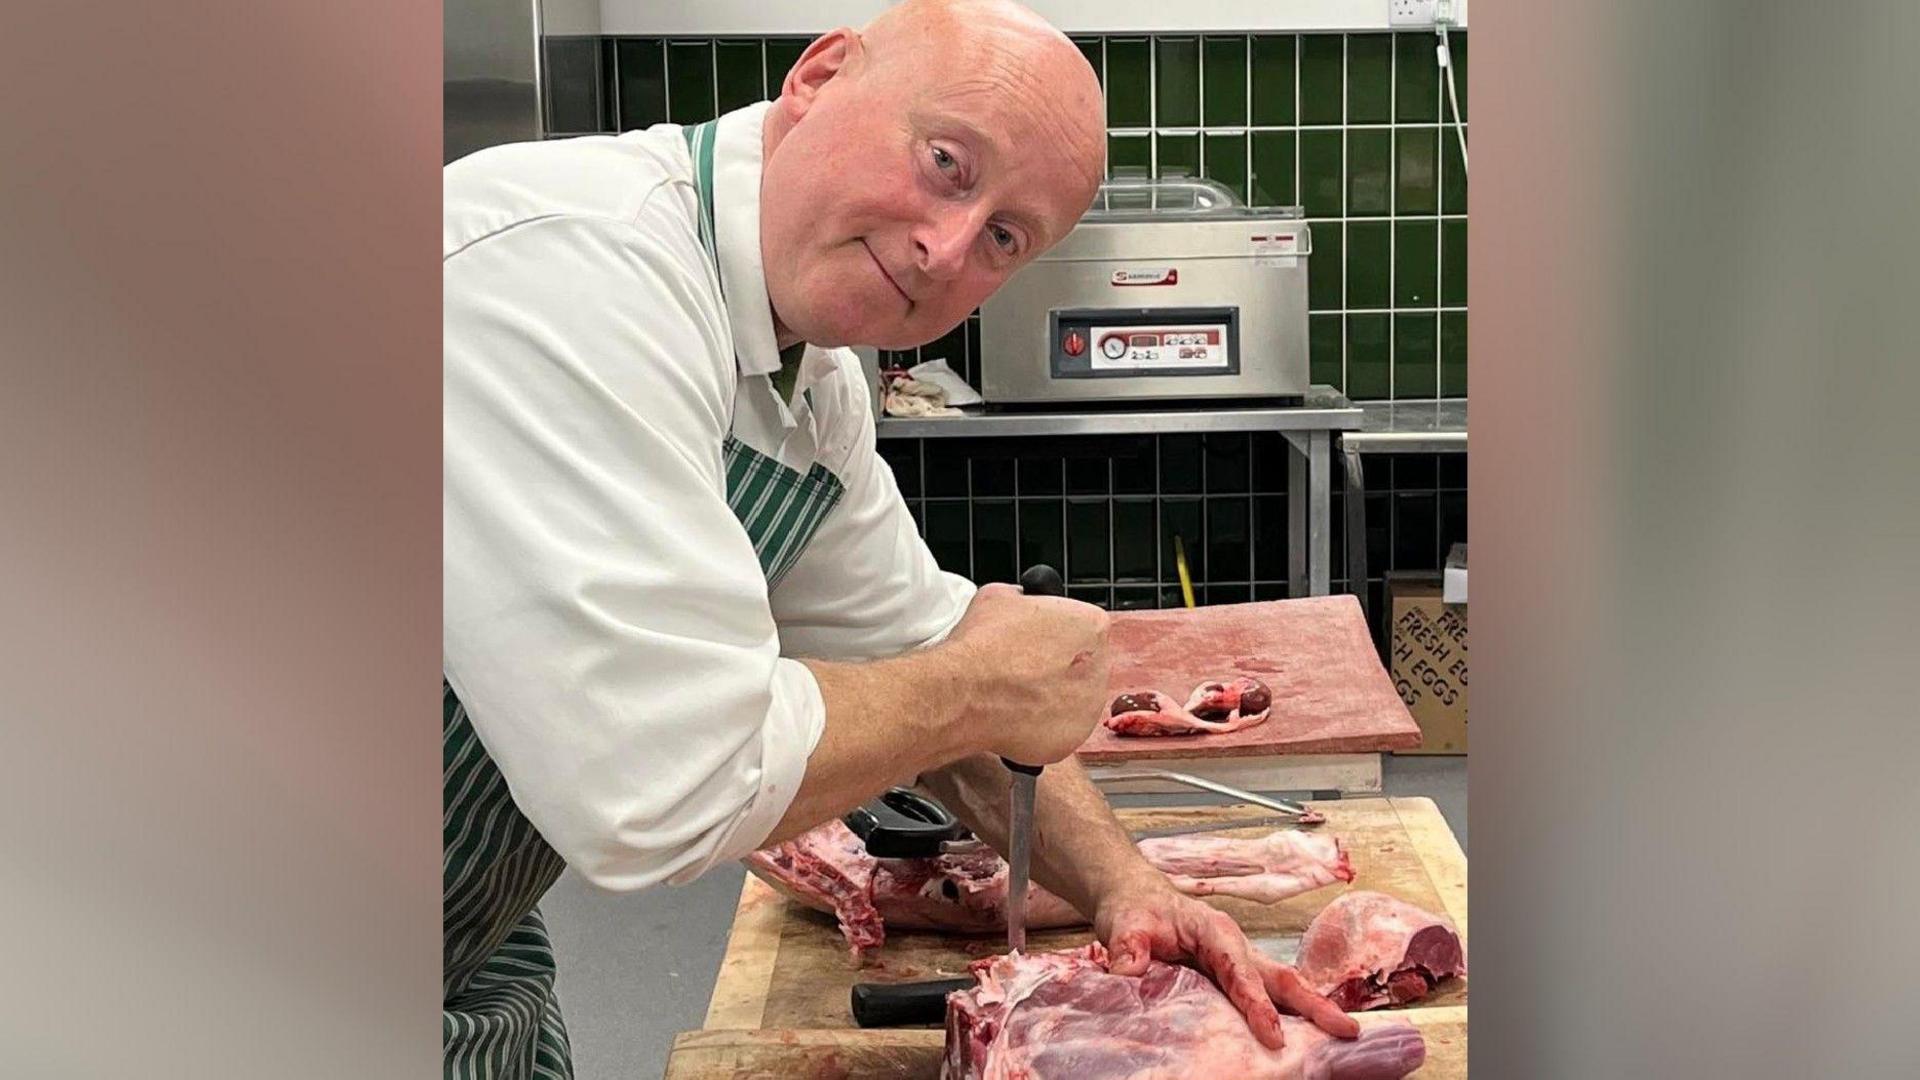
[1286, 807]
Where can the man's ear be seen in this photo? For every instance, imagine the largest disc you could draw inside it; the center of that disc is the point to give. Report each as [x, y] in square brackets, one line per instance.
[828, 55]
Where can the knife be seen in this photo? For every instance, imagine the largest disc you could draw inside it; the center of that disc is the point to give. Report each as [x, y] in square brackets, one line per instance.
[897, 1004]
[1039, 580]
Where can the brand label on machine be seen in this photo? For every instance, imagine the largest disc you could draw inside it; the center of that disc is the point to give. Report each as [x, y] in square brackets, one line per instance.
[1147, 275]
[1275, 251]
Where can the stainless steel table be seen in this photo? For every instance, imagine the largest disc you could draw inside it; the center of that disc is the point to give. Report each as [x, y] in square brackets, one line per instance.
[1392, 427]
[1308, 428]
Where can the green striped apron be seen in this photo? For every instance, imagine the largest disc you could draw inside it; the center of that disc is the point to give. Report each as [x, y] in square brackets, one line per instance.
[500, 1016]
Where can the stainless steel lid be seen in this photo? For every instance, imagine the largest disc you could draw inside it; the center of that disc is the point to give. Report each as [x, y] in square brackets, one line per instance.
[1174, 198]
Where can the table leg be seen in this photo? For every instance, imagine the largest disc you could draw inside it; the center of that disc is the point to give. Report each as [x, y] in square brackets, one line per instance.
[1356, 515]
[1319, 512]
[1296, 518]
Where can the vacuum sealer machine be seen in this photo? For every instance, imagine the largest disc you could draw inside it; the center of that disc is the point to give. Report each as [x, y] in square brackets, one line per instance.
[1167, 289]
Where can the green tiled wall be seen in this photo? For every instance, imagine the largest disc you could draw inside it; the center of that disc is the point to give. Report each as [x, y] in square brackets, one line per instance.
[1347, 126]
[1106, 511]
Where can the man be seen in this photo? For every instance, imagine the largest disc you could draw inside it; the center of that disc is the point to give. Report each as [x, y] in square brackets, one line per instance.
[687, 613]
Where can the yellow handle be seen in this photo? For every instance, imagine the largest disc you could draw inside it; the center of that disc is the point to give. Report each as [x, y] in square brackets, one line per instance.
[1180, 560]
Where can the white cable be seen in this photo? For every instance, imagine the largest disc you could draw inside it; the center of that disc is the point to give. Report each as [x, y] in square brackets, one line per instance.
[1440, 24]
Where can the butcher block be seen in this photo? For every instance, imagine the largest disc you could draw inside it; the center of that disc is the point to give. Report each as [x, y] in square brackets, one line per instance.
[787, 968]
[1330, 693]
[915, 1055]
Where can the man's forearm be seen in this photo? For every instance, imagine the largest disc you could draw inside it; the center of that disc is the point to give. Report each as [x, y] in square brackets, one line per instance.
[1080, 851]
[888, 721]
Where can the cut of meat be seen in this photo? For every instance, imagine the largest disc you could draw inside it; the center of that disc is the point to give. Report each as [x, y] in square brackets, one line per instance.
[1367, 950]
[1265, 869]
[1212, 708]
[828, 870]
[1064, 1016]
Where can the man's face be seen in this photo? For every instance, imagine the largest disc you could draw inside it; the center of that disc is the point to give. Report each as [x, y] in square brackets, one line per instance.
[903, 195]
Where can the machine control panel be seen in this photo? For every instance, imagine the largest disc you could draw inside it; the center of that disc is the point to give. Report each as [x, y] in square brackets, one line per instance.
[1116, 343]
[1161, 346]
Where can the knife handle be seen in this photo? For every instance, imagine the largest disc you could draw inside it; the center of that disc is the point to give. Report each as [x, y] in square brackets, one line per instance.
[904, 1004]
[1042, 580]
[1039, 580]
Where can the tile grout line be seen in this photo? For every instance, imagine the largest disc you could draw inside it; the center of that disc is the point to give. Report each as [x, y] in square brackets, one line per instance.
[1393, 208]
[1346, 239]
[972, 571]
[1439, 239]
[1247, 78]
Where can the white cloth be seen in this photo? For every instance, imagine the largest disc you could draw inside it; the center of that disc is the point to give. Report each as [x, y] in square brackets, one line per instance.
[607, 624]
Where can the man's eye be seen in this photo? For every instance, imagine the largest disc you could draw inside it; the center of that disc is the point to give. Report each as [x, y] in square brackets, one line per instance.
[943, 160]
[1002, 237]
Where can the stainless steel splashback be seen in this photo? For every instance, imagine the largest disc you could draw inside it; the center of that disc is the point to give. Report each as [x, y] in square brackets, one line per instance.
[496, 73]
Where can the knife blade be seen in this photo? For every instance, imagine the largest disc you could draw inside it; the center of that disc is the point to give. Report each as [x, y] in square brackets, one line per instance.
[1019, 855]
[1039, 580]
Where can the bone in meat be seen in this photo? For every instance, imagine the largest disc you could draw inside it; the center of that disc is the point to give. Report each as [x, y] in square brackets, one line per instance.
[828, 869]
[1367, 950]
[1063, 1015]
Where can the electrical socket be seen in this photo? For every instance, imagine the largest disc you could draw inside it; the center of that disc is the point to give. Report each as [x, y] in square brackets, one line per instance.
[1410, 12]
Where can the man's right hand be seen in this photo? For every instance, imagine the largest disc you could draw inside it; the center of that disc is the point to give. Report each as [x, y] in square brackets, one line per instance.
[1037, 672]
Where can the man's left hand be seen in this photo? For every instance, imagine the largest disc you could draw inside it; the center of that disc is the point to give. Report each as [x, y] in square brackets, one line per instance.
[1151, 920]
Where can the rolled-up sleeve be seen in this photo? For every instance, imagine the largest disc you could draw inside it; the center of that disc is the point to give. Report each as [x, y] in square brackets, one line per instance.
[606, 621]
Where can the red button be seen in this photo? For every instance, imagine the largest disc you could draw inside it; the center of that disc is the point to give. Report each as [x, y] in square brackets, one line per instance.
[1073, 344]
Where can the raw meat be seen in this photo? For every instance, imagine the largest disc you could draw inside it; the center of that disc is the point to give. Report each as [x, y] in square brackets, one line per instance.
[1213, 707]
[1063, 1015]
[828, 870]
[1367, 950]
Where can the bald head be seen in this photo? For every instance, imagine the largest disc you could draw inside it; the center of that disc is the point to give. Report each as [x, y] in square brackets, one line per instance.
[915, 164]
[998, 48]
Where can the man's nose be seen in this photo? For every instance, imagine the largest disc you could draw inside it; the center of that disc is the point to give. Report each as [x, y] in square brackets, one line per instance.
[944, 238]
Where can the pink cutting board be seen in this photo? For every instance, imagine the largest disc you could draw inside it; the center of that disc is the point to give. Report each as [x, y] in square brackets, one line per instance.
[1330, 694]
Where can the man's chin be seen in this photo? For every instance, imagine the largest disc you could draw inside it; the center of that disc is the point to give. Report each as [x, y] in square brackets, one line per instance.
[829, 332]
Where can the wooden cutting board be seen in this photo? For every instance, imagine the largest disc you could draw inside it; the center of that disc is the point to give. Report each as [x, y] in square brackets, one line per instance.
[915, 1055]
[1330, 693]
[787, 967]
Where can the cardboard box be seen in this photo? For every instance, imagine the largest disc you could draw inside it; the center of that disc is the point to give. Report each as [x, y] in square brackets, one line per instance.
[1427, 654]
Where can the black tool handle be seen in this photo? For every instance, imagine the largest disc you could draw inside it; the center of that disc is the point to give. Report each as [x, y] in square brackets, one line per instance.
[904, 1004]
[1039, 580]
[903, 824]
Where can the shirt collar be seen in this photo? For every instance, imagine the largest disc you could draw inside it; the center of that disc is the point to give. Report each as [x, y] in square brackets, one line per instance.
[736, 233]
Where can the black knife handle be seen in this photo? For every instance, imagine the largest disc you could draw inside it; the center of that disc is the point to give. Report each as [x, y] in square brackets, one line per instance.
[1039, 580]
[904, 1004]
[1042, 580]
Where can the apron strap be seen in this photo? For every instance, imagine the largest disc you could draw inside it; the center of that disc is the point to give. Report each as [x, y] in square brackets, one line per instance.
[700, 138]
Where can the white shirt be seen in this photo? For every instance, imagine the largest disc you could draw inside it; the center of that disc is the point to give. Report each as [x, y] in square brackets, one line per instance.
[607, 624]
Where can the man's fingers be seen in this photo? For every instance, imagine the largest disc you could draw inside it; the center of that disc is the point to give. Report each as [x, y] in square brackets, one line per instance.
[1225, 954]
[1129, 946]
[1285, 984]
[1250, 997]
